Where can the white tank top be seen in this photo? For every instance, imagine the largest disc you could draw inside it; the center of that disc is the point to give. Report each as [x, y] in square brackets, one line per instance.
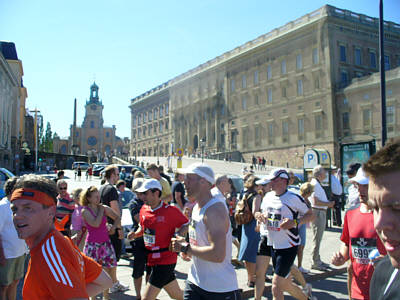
[210, 276]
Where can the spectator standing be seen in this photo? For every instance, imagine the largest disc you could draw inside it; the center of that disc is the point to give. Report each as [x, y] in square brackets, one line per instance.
[178, 191]
[78, 227]
[166, 194]
[231, 201]
[97, 244]
[79, 172]
[12, 249]
[122, 175]
[383, 169]
[60, 175]
[320, 203]
[57, 269]
[124, 195]
[250, 238]
[337, 191]
[353, 195]
[359, 239]
[130, 178]
[65, 207]
[306, 190]
[109, 197]
[163, 175]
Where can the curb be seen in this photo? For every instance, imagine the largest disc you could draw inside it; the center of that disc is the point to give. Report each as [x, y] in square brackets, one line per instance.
[309, 278]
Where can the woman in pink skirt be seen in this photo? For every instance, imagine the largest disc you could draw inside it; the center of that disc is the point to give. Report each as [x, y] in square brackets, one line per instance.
[97, 244]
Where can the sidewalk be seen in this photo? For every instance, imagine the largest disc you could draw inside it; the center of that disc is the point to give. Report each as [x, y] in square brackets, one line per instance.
[331, 243]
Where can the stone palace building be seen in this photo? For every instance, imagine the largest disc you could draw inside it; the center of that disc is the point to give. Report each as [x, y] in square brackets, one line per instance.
[313, 82]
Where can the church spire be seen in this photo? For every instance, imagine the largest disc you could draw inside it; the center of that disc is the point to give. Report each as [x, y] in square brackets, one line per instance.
[94, 93]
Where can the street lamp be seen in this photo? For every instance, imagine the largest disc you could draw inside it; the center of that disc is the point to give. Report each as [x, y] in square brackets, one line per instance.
[202, 144]
[36, 111]
[158, 160]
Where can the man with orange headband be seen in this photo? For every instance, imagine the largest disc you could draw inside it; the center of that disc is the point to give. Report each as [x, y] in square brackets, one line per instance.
[57, 269]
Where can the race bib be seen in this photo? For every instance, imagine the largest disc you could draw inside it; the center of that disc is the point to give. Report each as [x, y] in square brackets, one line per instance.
[149, 237]
[274, 221]
[361, 247]
[192, 233]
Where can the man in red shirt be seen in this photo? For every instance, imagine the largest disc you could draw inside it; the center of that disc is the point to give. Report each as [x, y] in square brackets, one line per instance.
[158, 224]
[359, 238]
[57, 269]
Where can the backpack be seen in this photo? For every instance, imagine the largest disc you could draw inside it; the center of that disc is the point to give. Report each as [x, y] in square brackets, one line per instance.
[243, 214]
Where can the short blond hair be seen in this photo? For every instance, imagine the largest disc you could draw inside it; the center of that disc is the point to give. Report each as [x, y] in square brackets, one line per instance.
[306, 189]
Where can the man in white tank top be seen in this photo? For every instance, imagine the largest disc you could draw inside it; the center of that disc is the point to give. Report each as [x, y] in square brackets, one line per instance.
[212, 275]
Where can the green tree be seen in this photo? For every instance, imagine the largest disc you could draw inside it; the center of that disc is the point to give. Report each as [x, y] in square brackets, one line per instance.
[46, 142]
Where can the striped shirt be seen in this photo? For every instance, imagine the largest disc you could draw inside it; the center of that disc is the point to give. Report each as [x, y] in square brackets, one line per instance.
[65, 206]
[58, 270]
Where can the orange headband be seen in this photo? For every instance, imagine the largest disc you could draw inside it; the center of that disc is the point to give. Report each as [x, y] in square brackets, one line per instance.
[33, 195]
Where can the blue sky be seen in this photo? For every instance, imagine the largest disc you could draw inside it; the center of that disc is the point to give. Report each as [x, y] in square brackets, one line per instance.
[131, 46]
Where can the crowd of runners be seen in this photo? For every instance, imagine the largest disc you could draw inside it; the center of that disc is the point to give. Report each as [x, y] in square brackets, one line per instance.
[75, 240]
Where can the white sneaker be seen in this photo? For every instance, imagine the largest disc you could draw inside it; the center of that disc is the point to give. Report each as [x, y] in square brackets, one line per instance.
[304, 271]
[308, 290]
[118, 287]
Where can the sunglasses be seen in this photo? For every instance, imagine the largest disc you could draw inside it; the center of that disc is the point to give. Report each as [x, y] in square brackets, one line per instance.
[63, 188]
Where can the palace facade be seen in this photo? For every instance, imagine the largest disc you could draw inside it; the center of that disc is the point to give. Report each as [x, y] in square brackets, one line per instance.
[278, 94]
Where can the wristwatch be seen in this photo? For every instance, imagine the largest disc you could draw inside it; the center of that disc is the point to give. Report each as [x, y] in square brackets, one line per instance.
[185, 247]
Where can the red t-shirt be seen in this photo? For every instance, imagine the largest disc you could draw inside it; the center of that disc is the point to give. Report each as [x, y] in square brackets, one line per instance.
[159, 226]
[58, 270]
[360, 236]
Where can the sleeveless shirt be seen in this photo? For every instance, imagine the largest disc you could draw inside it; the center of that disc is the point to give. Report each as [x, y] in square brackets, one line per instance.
[210, 276]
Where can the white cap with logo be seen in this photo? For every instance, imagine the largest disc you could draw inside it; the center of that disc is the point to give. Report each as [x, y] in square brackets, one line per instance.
[201, 170]
[149, 184]
[263, 181]
[282, 173]
[360, 177]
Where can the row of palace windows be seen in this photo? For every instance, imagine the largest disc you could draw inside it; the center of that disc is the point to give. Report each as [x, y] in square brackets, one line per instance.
[367, 118]
[360, 57]
[151, 115]
[153, 151]
[283, 131]
[283, 68]
[270, 94]
[150, 129]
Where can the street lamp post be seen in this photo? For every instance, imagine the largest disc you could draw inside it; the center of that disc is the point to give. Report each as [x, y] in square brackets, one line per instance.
[158, 155]
[36, 111]
[202, 144]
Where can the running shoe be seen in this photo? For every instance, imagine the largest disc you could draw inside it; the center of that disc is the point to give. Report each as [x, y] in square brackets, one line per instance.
[303, 270]
[319, 267]
[308, 290]
[118, 287]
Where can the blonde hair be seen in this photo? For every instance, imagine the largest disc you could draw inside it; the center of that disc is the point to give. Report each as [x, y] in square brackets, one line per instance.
[86, 194]
[306, 189]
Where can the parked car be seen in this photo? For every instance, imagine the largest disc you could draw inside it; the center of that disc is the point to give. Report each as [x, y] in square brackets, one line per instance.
[4, 176]
[82, 164]
[98, 168]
